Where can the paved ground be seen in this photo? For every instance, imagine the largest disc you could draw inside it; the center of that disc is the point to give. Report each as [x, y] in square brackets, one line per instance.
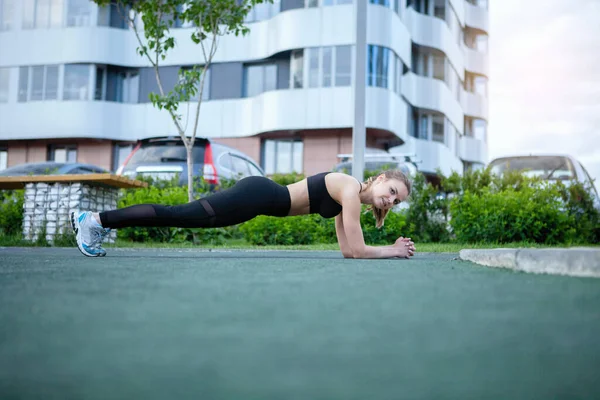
[290, 325]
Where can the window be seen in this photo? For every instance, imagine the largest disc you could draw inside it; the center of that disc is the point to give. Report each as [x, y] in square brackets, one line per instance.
[328, 66]
[343, 65]
[117, 84]
[317, 3]
[480, 85]
[4, 82]
[453, 81]
[439, 67]
[79, 12]
[240, 166]
[439, 9]
[3, 159]
[120, 154]
[481, 43]
[38, 83]
[385, 3]
[259, 78]
[398, 69]
[263, 11]
[254, 171]
[437, 129]
[327, 53]
[379, 58]
[420, 6]
[282, 156]
[413, 121]
[114, 16]
[313, 56]
[424, 127]
[297, 69]
[77, 79]
[479, 3]
[62, 153]
[480, 130]
[42, 14]
[6, 14]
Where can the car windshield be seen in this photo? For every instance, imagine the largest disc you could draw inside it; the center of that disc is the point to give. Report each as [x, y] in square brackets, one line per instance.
[34, 169]
[545, 167]
[163, 152]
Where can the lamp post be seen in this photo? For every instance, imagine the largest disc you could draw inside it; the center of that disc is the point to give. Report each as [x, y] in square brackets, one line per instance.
[359, 131]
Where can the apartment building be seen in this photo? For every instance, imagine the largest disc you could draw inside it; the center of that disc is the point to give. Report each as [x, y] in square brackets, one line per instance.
[72, 87]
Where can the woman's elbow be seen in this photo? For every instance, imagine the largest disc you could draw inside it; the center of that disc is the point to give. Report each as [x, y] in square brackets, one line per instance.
[358, 253]
[347, 254]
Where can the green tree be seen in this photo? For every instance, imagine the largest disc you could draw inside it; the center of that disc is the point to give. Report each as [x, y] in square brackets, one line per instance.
[210, 20]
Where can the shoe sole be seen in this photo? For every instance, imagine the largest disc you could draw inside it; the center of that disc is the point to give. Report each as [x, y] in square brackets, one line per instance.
[75, 226]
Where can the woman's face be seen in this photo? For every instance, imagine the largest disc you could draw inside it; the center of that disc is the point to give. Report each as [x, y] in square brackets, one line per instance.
[388, 192]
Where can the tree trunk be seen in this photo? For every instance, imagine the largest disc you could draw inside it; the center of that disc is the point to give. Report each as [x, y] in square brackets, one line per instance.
[190, 171]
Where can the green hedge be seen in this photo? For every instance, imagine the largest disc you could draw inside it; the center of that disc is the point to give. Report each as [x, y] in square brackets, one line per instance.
[514, 208]
[476, 207]
[167, 192]
[527, 215]
[11, 212]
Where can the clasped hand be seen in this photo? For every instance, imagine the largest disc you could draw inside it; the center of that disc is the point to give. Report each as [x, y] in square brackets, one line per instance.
[406, 247]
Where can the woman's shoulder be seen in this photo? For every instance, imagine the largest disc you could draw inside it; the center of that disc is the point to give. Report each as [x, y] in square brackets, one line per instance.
[339, 184]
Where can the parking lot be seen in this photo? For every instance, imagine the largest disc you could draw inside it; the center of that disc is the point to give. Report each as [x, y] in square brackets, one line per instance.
[290, 325]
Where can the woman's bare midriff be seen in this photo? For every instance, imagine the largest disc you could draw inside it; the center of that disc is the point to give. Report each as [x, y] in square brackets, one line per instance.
[299, 198]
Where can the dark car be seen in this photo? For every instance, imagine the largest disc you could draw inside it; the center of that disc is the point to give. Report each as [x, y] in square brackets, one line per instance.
[52, 168]
[166, 157]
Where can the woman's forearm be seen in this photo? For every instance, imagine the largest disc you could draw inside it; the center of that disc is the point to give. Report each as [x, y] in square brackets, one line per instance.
[378, 252]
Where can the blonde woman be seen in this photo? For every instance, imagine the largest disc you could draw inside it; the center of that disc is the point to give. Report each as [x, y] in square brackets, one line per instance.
[330, 194]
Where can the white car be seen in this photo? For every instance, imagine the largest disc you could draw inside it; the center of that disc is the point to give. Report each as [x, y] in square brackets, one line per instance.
[548, 167]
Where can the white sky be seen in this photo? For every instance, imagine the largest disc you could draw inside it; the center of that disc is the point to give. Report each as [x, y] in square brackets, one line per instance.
[544, 87]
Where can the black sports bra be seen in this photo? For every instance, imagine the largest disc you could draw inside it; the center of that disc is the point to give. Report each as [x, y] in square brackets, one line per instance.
[319, 198]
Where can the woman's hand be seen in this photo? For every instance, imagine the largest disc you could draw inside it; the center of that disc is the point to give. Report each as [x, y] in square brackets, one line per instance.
[406, 247]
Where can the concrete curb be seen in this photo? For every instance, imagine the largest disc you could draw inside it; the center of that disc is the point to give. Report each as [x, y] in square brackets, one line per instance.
[578, 261]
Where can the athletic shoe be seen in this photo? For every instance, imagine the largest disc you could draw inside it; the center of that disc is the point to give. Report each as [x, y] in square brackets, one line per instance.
[89, 234]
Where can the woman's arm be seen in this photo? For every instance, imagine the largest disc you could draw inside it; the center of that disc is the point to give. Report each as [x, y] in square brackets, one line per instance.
[341, 236]
[350, 236]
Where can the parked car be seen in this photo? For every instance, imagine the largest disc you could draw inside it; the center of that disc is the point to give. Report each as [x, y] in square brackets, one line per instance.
[547, 167]
[165, 157]
[375, 160]
[52, 168]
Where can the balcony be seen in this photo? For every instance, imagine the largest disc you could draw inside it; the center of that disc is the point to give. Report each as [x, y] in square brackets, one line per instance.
[477, 17]
[473, 150]
[476, 62]
[475, 105]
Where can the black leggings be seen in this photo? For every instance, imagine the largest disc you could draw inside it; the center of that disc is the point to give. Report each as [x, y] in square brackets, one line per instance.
[245, 200]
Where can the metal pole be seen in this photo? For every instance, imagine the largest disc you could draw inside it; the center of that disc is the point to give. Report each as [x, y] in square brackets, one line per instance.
[359, 132]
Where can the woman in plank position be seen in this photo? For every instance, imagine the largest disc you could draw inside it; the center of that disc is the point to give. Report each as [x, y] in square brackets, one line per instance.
[329, 194]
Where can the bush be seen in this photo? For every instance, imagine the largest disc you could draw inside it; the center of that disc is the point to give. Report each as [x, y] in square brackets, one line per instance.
[531, 214]
[265, 230]
[313, 229]
[170, 193]
[287, 179]
[427, 215]
[11, 212]
[579, 204]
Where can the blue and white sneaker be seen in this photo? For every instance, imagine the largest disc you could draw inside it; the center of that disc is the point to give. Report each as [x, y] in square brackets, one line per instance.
[89, 234]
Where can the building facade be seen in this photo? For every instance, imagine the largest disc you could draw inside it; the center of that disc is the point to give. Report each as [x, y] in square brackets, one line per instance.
[73, 88]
